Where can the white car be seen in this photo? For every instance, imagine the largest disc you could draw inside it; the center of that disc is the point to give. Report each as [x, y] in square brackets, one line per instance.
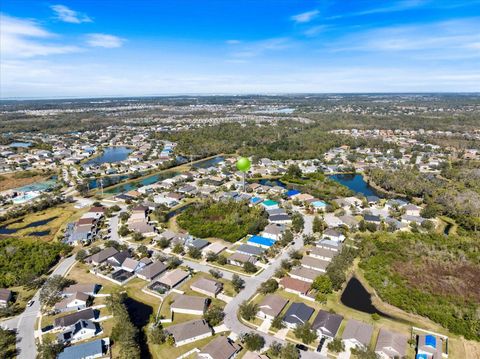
[30, 303]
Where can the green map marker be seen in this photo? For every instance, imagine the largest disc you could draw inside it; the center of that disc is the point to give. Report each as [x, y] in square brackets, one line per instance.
[243, 164]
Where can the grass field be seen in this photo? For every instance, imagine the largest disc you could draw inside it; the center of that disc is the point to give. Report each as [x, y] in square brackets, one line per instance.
[166, 351]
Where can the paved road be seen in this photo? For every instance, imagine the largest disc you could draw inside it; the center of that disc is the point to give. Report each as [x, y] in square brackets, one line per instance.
[251, 285]
[24, 323]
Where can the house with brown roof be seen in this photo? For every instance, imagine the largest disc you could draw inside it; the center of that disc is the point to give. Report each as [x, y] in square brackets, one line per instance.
[391, 345]
[295, 286]
[271, 306]
[189, 304]
[189, 332]
[207, 286]
[219, 348]
[173, 278]
[5, 297]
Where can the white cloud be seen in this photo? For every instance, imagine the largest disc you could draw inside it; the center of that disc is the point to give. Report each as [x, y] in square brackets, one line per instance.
[104, 40]
[66, 14]
[305, 16]
[233, 42]
[22, 38]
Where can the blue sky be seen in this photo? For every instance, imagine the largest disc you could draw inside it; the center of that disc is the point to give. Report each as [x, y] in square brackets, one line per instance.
[147, 47]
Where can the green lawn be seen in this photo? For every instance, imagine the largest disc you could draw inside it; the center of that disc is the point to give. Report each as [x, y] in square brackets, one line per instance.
[166, 351]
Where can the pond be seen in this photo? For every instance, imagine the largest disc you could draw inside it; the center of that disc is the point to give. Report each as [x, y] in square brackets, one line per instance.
[111, 155]
[6, 231]
[355, 296]
[20, 144]
[356, 183]
[211, 162]
[271, 183]
[137, 184]
[140, 315]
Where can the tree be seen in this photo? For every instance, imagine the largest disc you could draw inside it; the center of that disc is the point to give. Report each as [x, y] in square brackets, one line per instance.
[52, 288]
[215, 273]
[269, 286]
[178, 249]
[194, 253]
[274, 349]
[305, 333]
[163, 243]
[297, 222]
[7, 343]
[214, 315]
[296, 255]
[287, 237]
[323, 284]
[253, 341]
[248, 310]
[123, 231]
[238, 283]
[364, 353]
[48, 349]
[137, 236]
[124, 216]
[81, 255]
[222, 260]
[173, 262]
[289, 351]
[277, 323]
[249, 267]
[211, 257]
[142, 251]
[318, 225]
[293, 171]
[157, 335]
[336, 345]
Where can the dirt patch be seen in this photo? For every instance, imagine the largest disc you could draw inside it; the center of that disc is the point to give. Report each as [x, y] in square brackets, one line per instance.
[456, 278]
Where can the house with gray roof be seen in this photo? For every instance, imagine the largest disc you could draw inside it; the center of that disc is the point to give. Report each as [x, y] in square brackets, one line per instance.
[327, 324]
[391, 345]
[189, 304]
[297, 314]
[207, 286]
[250, 250]
[102, 256]
[81, 330]
[357, 333]
[70, 319]
[189, 332]
[151, 271]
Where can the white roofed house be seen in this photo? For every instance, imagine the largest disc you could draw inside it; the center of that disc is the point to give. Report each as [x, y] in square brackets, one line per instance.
[333, 235]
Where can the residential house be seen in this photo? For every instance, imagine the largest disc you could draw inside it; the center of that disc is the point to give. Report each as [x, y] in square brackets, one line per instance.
[189, 304]
[219, 348]
[239, 259]
[70, 319]
[173, 278]
[151, 271]
[250, 250]
[271, 306]
[89, 289]
[429, 346]
[132, 265]
[90, 350]
[357, 333]
[297, 314]
[75, 301]
[5, 297]
[102, 256]
[305, 274]
[81, 330]
[391, 345]
[322, 253]
[295, 286]
[189, 332]
[314, 263]
[327, 324]
[333, 235]
[207, 286]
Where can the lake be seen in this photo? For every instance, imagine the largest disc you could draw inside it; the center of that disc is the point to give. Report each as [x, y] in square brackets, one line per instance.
[356, 183]
[6, 231]
[211, 162]
[355, 296]
[136, 184]
[271, 183]
[111, 155]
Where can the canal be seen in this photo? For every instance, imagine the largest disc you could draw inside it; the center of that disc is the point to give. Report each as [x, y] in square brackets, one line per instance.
[139, 314]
